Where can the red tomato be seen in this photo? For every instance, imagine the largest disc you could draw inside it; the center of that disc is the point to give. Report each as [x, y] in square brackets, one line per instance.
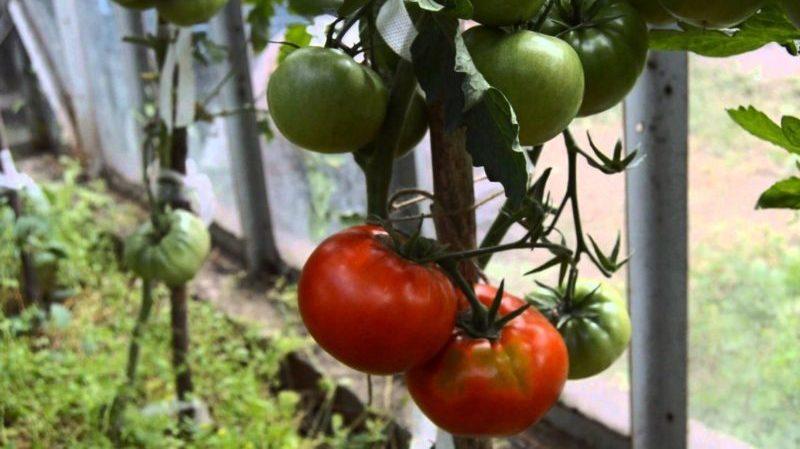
[372, 309]
[483, 388]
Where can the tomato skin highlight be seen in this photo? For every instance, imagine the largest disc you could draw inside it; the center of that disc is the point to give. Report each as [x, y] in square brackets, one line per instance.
[478, 388]
[323, 100]
[612, 52]
[372, 309]
[713, 14]
[541, 76]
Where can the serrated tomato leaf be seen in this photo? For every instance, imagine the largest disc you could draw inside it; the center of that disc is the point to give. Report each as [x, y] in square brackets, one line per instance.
[448, 76]
[791, 129]
[782, 195]
[760, 125]
[492, 129]
[434, 55]
[260, 19]
[770, 25]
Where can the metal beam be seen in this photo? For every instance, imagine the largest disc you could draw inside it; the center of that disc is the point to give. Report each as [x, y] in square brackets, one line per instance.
[245, 146]
[656, 120]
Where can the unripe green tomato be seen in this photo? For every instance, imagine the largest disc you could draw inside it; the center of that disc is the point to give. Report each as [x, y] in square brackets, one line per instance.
[713, 14]
[653, 12]
[596, 328]
[313, 8]
[792, 8]
[322, 100]
[174, 258]
[504, 12]
[189, 12]
[540, 75]
[136, 4]
[612, 44]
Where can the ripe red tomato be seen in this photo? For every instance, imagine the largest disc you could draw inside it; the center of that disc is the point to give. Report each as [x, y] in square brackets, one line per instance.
[478, 387]
[372, 309]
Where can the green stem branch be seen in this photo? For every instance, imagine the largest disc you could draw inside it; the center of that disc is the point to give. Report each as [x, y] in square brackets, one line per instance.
[378, 157]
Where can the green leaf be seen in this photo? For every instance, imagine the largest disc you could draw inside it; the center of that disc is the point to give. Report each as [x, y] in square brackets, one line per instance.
[434, 55]
[260, 19]
[760, 125]
[768, 26]
[782, 195]
[791, 129]
[448, 76]
[296, 34]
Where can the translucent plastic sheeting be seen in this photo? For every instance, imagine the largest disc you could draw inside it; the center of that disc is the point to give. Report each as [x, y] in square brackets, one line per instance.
[118, 100]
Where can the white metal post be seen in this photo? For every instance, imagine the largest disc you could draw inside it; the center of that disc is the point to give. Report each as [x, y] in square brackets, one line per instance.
[656, 120]
[245, 145]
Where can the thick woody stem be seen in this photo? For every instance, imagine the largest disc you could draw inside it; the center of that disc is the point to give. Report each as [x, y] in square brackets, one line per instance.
[454, 190]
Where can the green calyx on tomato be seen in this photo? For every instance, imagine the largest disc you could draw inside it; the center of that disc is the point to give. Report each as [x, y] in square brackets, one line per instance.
[594, 323]
[653, 12]
[322, 100]
[188, 12]
[713, 14]
[371, 308]
[611, 40]
[173, 255]
[490, 388]
[540, 75]
[504, 12]
[136, 4]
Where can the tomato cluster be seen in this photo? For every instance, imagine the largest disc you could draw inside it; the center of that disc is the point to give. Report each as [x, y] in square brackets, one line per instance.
[378, 310]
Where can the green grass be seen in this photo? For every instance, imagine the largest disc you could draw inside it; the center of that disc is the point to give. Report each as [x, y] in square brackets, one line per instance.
[745, 337]
[60, 371]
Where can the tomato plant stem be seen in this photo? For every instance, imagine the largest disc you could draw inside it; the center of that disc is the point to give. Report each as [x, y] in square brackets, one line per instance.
[175, 159]
[123, 396]
[454, 190]
[377, 159]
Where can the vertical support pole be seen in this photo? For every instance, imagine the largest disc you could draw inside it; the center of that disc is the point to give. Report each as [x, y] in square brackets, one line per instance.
[656, 119]
[245, 146]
